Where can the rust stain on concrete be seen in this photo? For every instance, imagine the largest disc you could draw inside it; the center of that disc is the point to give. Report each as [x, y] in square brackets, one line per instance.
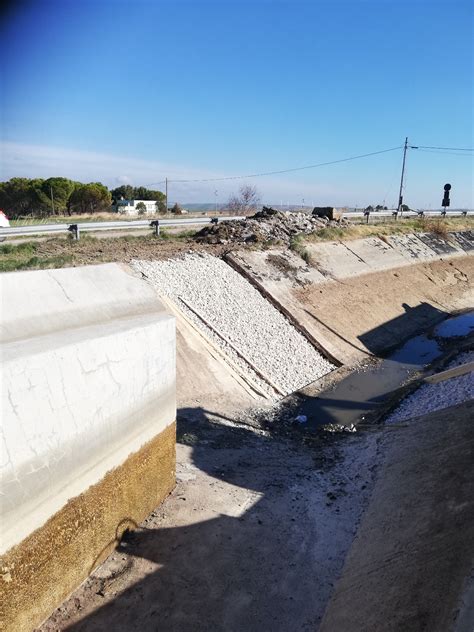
[38, 574]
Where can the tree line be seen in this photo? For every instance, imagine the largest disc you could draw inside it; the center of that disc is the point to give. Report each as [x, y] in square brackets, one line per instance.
[60, 196]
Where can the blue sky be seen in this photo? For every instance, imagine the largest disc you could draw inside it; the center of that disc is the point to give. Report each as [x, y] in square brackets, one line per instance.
[122, 91]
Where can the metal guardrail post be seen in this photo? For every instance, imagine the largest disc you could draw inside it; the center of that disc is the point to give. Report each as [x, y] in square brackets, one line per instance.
[75, 230]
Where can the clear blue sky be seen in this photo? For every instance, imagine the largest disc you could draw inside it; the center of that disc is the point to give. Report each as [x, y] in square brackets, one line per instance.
[123, 91]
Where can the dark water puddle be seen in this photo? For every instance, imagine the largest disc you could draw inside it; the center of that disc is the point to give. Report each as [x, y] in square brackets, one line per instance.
[461, 325]
[362, 392]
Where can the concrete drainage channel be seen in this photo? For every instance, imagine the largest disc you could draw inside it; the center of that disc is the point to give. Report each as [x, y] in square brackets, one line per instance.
[256, 501]
[248, 326]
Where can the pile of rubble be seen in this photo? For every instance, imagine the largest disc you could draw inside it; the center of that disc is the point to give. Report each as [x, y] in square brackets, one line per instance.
[266, 225]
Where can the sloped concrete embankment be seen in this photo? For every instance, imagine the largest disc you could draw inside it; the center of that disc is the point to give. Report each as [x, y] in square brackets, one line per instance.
[365, 296]
[409, 565]
[88, 426]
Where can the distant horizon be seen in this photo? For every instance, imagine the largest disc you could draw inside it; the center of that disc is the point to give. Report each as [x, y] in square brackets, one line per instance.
[270, 200]
[30, 161]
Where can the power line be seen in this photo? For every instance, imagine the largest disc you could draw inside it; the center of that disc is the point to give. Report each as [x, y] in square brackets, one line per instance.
[425, 148]
[271, 173]
[444, 153]
[444, 148]
[153, 184]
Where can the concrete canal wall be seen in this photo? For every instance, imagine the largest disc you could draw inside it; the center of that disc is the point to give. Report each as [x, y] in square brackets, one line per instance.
[88, 426]
[363, 296]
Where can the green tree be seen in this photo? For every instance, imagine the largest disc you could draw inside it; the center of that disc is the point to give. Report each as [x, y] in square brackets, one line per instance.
[61, 190]
[141, 208]
[90, 198]
[128, 192]
[160, 206]
[125, 191]
[177, 210]
[19, 196]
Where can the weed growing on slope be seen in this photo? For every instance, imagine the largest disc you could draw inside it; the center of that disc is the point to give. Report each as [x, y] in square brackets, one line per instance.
[297, 245]
[24, 257]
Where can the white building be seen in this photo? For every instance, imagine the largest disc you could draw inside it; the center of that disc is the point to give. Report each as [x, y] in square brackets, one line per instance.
[129, 207]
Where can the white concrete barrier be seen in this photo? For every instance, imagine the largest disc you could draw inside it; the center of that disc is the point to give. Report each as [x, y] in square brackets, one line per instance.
[88, 388]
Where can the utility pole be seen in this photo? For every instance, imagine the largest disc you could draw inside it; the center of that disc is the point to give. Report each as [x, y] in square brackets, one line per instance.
[52, 198]
[166, 195]
[400, 195]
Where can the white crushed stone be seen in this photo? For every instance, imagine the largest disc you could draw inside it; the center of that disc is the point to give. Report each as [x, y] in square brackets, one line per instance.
[240, 313]
[431, 397]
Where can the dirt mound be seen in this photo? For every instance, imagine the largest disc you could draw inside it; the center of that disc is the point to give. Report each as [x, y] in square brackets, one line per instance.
[266, 225]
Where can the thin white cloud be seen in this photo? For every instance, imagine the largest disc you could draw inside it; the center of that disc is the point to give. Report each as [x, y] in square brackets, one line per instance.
[42, 161]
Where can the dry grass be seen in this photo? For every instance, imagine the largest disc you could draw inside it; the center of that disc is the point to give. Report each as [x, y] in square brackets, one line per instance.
[440, 227]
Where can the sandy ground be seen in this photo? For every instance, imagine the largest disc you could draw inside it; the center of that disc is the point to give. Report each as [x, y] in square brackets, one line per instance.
[252, 538]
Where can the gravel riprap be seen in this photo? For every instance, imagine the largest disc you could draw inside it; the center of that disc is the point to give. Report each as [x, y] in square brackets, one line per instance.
[231, 305]
[431, 397]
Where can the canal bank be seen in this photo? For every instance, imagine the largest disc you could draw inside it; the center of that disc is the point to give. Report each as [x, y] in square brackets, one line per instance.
[303, 509]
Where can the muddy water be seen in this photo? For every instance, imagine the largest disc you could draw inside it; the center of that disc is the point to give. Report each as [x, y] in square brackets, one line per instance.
[362, 393]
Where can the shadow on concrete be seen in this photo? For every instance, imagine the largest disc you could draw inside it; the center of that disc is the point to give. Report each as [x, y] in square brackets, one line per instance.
[396, 331]
[256, 569]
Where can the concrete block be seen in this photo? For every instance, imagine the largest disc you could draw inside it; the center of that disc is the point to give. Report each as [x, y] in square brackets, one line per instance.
[327, 211]
[88, 388]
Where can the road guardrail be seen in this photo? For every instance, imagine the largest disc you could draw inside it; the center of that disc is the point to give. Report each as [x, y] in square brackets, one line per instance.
[79, 227]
